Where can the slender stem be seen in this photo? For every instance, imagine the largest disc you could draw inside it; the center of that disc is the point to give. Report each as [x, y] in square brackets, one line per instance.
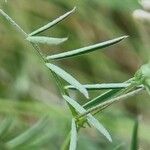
[18, 28]
[116, 99]
[37, 48]
[106, 96]
[13, 23]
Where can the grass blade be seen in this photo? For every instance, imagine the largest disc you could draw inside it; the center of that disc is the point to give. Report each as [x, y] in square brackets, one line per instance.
[46, 40]
[28, 135]
[73, 140]
[104, 86]
[4, 126]
[90, 118]
[84, 50]
[134, 143]
[51, 24]
[67, 77]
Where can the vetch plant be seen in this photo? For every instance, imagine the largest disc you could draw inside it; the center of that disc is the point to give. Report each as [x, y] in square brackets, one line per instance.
[82, 115]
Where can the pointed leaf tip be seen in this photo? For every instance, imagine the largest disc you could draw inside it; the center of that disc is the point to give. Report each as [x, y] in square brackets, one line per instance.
[74, 9]
[53, 23]
[99, 127]
[126, 36]
[85, 50]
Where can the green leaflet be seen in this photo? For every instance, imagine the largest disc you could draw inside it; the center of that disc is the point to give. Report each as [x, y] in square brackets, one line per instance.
[53, 23]
[101, 98]
[28, 135]
[67, 77]
[84, 50]
[46, 40]
[111, 101]
[134, 143]
[103, 86]
[73, 140]
[98, 126]
[90, 118]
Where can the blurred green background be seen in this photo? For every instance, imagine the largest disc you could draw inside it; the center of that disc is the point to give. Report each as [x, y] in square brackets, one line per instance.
[27, 91]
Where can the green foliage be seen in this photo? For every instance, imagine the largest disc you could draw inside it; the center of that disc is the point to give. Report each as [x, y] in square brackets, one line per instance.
[67, 77]
[83, 114]
[103, 86]
[101, 98]
[24, 139]
[53, 23]
[46, 40]
[85, 50]
[134, 142]
[4, 126]
[73, 139]
[90, 118]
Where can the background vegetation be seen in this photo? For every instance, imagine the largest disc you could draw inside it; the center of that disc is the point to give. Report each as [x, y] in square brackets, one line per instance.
[27, 94]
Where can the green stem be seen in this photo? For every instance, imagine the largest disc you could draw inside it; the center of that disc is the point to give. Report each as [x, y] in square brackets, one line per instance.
[12, 22]
[116, 99]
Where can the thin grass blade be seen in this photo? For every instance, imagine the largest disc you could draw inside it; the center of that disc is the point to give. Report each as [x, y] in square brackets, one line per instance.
[85, 50]
[46, 40]
[28, 135]
[73, 140]
[134, 143]
[4, 126]
[90, 118]
[53, 23]
[68, 78]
